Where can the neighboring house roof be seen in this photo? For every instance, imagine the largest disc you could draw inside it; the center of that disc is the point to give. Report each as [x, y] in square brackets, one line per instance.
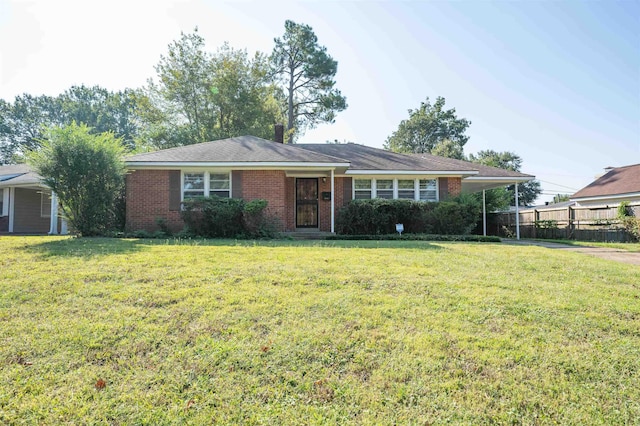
[242, 149]
[618, 181]
[18, 175]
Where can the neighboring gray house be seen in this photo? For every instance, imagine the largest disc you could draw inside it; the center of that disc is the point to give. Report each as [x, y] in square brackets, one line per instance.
[25, 203]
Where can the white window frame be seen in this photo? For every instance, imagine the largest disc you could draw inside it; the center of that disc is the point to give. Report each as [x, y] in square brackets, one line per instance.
[219, 190]
[207, 181]
[370, 190]
[45, 212]
[418, 190]
[416, 187]
[398, 189]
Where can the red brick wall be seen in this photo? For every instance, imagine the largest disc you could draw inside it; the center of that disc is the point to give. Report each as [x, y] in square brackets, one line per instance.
[454, 186]
[270, 185]
[290, 202]
[325, 206]
[148, 199]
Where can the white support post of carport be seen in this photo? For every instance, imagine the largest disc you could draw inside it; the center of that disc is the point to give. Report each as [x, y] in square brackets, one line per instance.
[12, 207]
[484, 214]
[517, 214]
[333, 202]
[53, 228]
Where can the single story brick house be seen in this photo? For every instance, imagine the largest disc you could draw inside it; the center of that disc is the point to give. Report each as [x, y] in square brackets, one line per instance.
[617, 184]
[304, 184]
[26, 205]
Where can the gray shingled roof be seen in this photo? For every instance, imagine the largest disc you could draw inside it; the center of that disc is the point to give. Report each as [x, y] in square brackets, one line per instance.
[18, 174]
[483, 171]
[617, 181]
[251, 149]
[368, 158]
[364, 157]
[243, 149]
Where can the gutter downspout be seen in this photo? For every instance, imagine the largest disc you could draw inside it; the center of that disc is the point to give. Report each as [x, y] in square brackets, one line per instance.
[517, 214]
[333, 202]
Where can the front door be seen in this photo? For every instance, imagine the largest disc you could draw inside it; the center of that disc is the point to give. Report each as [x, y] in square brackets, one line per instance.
[306, 203]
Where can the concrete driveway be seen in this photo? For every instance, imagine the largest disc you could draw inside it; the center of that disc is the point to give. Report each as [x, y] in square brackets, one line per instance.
[605, 253]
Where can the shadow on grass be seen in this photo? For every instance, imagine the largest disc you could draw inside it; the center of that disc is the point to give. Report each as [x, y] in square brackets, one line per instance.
[92, 247]
[87, 247]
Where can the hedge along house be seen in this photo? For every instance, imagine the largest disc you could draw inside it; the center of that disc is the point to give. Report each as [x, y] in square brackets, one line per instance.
[304, 184]
[27, 206]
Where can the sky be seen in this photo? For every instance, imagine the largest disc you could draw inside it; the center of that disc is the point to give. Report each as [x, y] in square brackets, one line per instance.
[556, 82]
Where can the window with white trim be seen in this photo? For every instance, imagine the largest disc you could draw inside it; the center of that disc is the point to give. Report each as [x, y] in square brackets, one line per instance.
[407, 189]
[193, 185]
[201, 184]
[45, 204]
[362, 189]
[219, 184]
[428, 190]
[384, 188]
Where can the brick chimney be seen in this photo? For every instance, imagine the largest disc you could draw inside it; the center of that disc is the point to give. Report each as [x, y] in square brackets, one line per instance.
[279, 133]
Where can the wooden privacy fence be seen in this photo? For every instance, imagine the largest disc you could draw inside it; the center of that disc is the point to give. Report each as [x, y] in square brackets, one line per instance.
[572, 222]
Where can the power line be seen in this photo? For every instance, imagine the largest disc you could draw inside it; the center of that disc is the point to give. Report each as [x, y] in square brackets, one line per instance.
[557, 184]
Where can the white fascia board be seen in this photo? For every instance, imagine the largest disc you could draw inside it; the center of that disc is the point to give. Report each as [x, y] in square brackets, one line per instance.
[605, 198]
[169, 165]
[23, 185]
[499, 179]
[436, 173]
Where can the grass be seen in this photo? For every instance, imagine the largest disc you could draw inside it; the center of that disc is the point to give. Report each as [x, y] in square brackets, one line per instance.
[631, 247]
[98, 331]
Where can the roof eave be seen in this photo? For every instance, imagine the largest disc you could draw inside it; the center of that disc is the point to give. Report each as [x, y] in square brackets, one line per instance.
[270, 165]
[506, 179]
[605, 197]
[411, 172]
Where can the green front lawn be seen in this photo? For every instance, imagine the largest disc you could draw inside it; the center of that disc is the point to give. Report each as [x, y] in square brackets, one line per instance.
[343, 332]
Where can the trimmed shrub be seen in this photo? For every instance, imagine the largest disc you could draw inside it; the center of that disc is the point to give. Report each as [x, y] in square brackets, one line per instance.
[380, 216]
[216, 217]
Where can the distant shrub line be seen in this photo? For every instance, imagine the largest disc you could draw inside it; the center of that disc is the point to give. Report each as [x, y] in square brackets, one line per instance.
[417, 237]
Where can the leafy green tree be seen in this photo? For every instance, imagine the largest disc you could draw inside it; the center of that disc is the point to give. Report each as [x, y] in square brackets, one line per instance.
[199, 96]
[306, 73]
[86, 171]
[527, 191]
[102, 111]
[427, 127]
[246, 99]
[448, 148]
[23, 124]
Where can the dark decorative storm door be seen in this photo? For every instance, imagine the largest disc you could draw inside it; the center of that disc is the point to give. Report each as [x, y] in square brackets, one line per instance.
[306, 203]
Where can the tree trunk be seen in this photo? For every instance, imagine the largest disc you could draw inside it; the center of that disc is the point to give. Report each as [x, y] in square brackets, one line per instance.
[290, 117]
